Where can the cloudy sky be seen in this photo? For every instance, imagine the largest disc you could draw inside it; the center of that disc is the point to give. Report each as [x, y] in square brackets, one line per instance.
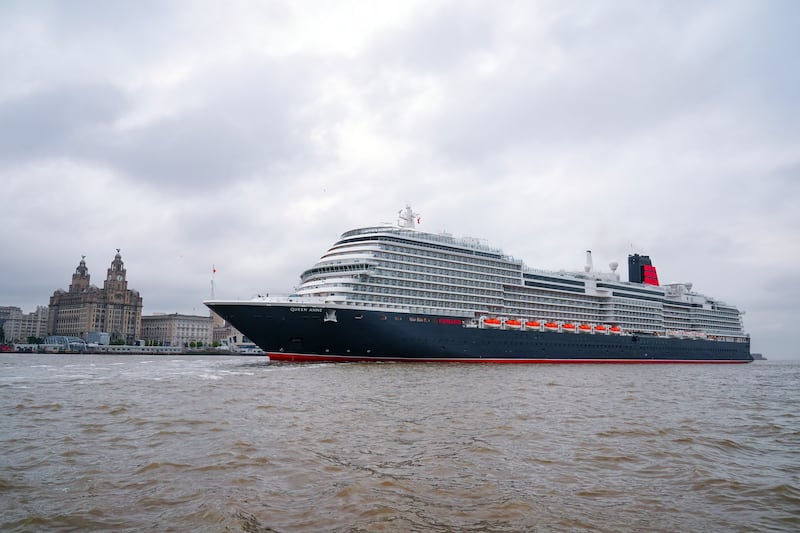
[250, 135]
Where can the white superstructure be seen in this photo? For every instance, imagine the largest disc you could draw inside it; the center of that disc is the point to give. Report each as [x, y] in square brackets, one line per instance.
[399, 268]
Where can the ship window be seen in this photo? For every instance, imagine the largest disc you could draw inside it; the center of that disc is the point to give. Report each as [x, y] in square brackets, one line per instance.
[358, 317]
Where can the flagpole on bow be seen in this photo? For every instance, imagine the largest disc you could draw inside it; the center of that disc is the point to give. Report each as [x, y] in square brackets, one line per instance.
[213, 271]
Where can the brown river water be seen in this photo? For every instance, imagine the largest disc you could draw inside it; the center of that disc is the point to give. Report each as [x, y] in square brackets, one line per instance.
[164, 443]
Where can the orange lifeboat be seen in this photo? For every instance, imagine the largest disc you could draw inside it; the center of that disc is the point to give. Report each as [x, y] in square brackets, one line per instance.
[568, 327]
[513, 323]
[492, 322]
[600, 329]
[615, 329]
[552, 326]
[585, 328]
[533, 324]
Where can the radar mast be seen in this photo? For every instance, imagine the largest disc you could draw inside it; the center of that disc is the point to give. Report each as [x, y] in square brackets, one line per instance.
[407, 218]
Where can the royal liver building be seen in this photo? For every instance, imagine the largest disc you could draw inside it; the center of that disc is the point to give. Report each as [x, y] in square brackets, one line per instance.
[85, 308]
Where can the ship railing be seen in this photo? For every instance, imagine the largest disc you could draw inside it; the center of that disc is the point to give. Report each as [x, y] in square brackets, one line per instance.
[468, 242]
[287, 298]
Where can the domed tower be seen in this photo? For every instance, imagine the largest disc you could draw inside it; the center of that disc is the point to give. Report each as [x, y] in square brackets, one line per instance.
[80, 279]
[115, 275]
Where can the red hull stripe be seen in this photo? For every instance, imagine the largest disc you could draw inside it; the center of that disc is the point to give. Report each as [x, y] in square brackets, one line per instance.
[310, 358]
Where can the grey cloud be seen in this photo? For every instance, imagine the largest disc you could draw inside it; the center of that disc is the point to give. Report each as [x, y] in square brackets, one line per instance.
[249, 123]
[57, 121]
[190, 152]
[439, 40]
[134, 29]
[606, 75]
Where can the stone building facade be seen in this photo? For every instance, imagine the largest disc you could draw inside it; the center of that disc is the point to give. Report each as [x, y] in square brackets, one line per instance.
[177, 330]
[114, 309]
[18, 326]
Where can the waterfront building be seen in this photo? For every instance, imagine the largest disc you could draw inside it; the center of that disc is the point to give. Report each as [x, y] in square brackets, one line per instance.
[221, 329]
[115, 308]
[8, 313]
[230, 338]
[18, 326]
[224, 333]
[101, 338]
[176, 329]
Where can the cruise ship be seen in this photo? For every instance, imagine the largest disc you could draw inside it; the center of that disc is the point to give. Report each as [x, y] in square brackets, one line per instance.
[395, 293]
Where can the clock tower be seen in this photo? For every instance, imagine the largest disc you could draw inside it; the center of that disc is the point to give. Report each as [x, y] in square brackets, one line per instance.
[80, 279]
[115, 282]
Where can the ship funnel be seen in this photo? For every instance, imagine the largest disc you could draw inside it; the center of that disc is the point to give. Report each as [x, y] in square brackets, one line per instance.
[641, 270]
[589, 266]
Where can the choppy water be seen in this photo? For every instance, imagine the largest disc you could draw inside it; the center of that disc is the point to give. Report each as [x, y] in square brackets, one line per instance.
[130, 443]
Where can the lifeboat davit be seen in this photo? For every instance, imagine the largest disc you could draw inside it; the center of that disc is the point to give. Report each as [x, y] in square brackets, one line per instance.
[601, 329]
[585, 328]
[513, 323]
[533, 324]
[552, 326]
[568, 327]
[615, 329]
[492, 322]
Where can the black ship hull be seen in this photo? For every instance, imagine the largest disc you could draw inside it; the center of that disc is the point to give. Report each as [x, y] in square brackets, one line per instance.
[302, 333]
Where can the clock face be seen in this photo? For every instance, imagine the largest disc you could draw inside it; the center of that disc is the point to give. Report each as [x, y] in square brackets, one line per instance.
[119, 277]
